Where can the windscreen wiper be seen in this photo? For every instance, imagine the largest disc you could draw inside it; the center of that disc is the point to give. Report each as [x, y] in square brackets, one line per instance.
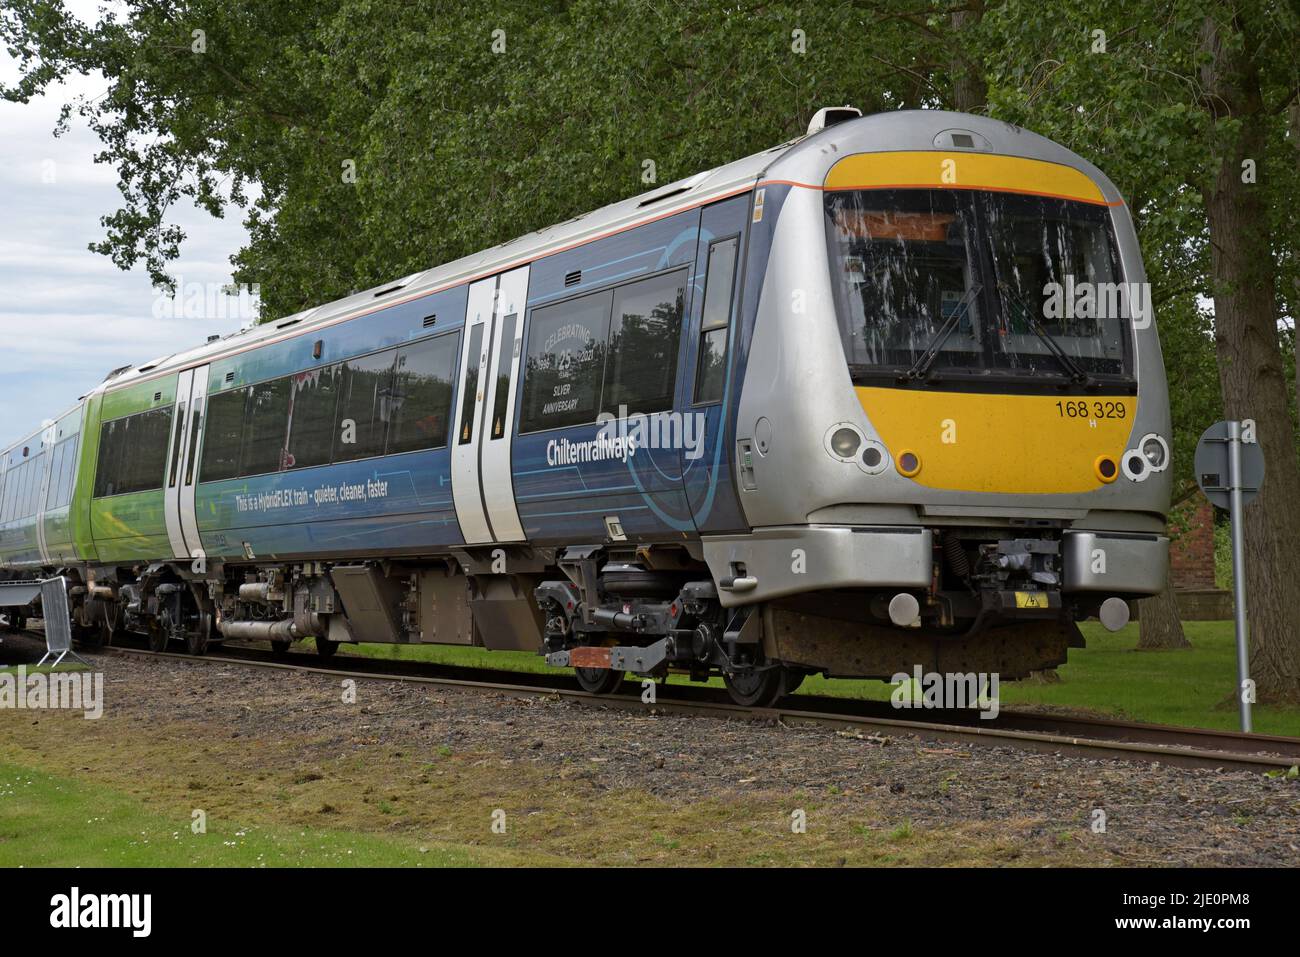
[927, 358]
[1076, 372]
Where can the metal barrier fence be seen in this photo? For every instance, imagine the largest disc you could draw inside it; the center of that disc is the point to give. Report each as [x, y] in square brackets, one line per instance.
[53, 593]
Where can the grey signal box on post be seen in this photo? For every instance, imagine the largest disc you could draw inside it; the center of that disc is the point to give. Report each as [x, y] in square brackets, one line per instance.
[1211, 465]
[1229, 468]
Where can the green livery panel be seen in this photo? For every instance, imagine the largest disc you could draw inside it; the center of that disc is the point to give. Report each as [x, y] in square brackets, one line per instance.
[126, 527]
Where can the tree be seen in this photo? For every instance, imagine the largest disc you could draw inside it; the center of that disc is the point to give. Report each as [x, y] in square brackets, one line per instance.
[1237, 119]
[1171, 112]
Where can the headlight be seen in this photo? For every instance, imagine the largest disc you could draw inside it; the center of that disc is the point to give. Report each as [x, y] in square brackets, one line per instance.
[845, 442]
[1156, 451]
[873, 459]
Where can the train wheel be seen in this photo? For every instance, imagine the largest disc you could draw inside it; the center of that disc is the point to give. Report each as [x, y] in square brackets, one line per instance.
[196, 639]
[160, 630]
[793, 679]
[280, 649]
[598, 680]
[110, 626]
[326, 648]
[756, 689]
[90, 636]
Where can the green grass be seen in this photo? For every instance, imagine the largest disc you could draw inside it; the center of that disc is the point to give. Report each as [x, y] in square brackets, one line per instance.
[45, 669]
[51, 821]
[1192, 688]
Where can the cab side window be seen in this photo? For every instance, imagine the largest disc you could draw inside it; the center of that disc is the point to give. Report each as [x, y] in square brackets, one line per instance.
[719, 283]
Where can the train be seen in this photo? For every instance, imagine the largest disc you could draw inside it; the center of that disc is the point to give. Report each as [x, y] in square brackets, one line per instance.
[889, 394]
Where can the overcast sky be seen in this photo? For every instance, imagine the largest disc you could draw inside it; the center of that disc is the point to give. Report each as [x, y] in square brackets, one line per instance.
[67, 315]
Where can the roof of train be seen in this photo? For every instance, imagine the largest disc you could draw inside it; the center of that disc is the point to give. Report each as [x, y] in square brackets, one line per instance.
[804, 160]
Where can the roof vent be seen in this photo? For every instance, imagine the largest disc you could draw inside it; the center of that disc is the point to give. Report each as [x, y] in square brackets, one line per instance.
[214, 337]
[830, 115]
[672, 192]
[384, 292]
[675, 189]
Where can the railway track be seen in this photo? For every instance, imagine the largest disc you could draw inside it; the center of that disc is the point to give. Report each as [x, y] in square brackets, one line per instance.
[1085, 737]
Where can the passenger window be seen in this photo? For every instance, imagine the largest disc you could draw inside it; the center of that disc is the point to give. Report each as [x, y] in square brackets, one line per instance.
[644, 334]
[224, 436]
[70, 470]
[719, 283]
[364, 407]
[312, 415]
[473, 357]
[19, 479]
[422, 395]
[61, 470]
[30, 490]
[505, 363]
[56, 469]
[565, 363]
[110, 458]
[38, 480]
[144, 459]
[266, 427]
[133, 453]
[20, 490]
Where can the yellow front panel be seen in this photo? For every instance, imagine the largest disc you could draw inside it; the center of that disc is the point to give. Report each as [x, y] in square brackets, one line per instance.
[939, 170]
[975, 442]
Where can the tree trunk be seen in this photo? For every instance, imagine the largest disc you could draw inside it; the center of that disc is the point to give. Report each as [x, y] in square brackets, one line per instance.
[1158, 623]
[1293, 121]
[1251, 376]
[970, 93]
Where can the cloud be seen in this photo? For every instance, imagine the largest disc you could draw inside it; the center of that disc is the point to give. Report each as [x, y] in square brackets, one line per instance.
[67, 315]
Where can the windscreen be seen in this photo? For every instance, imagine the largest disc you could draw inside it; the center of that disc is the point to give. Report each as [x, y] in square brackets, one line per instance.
[963, 282]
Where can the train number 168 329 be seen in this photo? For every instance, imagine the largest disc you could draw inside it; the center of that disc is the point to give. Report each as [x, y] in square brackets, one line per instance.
[1097, 409]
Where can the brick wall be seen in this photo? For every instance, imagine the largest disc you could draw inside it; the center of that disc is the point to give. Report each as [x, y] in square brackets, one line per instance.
[1191, 549]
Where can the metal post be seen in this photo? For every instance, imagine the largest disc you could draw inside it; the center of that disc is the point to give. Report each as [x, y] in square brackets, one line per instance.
[1238, 569]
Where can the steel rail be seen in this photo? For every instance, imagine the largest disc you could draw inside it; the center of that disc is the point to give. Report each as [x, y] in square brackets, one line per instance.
[1084, 737]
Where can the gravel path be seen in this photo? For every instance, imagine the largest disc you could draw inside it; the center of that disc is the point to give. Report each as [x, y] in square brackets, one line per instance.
[1153, 814]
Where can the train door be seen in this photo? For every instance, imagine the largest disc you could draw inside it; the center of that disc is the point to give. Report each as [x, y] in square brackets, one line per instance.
[182, 464]
[481, 483]
[499, 417]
